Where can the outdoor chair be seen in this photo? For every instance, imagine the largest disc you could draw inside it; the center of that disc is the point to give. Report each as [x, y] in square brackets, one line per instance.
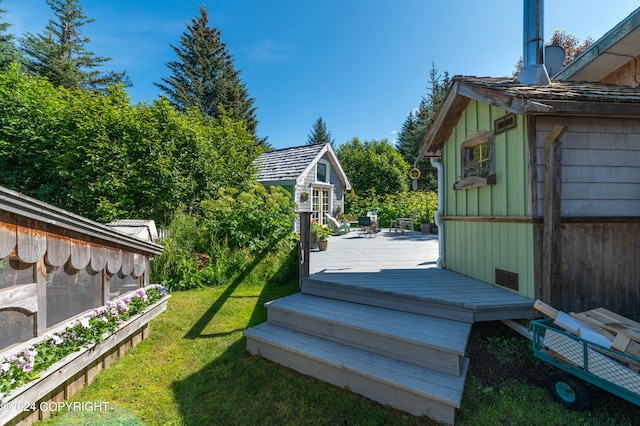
[337, 227]
[366, 227]
[407, 222]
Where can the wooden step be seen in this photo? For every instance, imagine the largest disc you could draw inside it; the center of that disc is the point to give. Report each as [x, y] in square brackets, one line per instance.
[407, 387]
[435, 343]
[468, 302]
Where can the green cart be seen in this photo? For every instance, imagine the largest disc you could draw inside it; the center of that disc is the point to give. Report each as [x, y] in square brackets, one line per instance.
[582, 361]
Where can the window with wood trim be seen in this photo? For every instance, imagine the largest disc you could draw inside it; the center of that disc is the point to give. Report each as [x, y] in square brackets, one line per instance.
[476, 161]
[322, 172]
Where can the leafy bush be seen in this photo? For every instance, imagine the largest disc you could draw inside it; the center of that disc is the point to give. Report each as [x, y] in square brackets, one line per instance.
[224, 238]
[100, 156]
[393, 206]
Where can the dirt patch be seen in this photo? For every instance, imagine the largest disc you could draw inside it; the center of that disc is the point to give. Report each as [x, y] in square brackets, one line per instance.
[498, 354]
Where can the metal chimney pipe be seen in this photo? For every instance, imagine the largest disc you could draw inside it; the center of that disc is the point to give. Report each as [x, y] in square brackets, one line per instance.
[533, 69]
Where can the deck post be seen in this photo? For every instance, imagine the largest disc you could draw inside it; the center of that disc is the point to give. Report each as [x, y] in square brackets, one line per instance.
[551, 246]
[303, 246]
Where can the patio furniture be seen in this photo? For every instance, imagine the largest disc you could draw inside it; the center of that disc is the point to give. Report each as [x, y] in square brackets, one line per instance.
[366, 227]
[374, 219]
[337, 227]
[393, 223]
[407, 222]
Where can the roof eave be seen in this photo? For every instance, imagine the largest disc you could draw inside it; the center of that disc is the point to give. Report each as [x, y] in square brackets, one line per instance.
[629, 27]
[21, 205]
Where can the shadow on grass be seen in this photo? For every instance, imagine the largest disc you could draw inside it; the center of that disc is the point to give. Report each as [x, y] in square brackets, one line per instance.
[196, 331]
[230, 389]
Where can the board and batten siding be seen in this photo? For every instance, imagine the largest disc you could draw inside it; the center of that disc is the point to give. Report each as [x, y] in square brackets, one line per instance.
[475, 245]
[600, 166]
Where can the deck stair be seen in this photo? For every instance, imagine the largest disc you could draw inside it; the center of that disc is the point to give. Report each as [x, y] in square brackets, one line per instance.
[413, 362]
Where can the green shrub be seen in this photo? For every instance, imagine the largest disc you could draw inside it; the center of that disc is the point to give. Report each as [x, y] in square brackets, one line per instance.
[393, 206]
[239, 233]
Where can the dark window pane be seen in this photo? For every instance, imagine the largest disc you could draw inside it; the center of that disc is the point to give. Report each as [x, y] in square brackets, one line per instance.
[16, 327]
[119, 285]
[14, 272]
[322, 172]
[70, 291]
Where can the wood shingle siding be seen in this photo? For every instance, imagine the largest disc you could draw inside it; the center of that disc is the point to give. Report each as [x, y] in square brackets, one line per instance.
[600, 165]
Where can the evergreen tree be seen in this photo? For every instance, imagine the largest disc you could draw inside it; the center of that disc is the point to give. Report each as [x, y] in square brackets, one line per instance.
[416, 125]
[320, 134]
[60, 54]
[204, 77]
[8, 51]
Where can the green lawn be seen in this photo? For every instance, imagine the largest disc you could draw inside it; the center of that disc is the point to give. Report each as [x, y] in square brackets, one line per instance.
[194, 370]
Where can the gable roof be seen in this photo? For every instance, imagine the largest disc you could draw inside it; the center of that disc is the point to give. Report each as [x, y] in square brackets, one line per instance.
[614, 49]
[291, 165]
[559, 97]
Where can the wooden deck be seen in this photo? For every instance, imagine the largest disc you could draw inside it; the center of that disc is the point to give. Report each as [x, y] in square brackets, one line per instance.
[401, 271]
[378, 317]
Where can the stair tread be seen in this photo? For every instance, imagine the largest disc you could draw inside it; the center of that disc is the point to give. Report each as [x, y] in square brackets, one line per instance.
[431, 384]
[448, 335]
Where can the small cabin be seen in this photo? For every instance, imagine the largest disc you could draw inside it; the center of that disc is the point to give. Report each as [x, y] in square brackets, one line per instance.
[313, 176]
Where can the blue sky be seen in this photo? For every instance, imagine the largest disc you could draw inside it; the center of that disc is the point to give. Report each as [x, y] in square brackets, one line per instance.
[362, 65]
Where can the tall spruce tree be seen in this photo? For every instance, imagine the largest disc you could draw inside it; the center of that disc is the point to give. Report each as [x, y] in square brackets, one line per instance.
[59, 52]
[415, 127]
[204, 77]
[320, 134]
[8, 51]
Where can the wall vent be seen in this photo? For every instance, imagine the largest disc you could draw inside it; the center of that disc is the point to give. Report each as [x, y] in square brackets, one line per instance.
[507, 279]
[505, 123]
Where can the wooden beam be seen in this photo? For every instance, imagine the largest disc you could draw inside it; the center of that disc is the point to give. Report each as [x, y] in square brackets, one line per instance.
[303, 251]
[532, 165]
[551, 222]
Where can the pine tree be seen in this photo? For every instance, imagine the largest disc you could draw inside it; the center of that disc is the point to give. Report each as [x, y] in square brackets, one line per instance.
[320, 134]
[8, 51]
[60, 54]
[204, 77]
[416, 125]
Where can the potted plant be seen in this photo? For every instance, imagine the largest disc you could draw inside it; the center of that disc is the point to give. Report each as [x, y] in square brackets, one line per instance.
[322, 234]
[304, 196]
[426, 226]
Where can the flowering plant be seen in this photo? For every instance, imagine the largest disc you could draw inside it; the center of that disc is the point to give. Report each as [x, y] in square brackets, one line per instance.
[322, 232]
[25, 365]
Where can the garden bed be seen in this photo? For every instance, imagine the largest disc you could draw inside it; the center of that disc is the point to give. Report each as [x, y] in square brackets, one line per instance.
[37, 399]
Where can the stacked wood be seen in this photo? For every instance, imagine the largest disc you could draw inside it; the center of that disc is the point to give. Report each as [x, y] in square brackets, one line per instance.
[602, 327]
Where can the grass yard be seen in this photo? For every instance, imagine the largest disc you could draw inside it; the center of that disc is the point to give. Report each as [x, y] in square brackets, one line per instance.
[194, 370]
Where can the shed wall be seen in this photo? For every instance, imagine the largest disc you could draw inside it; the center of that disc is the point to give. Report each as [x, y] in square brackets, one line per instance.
[509, 196]
[485, 227]
[600, 165]
[477, 249]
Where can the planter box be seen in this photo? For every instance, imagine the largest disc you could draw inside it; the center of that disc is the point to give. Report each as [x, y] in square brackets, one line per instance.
[63, 379]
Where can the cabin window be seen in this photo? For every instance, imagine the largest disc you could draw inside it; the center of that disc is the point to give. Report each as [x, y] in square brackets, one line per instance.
[322, 172]
[476, 162]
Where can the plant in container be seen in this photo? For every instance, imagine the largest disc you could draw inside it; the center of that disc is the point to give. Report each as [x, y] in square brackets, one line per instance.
[322, 234]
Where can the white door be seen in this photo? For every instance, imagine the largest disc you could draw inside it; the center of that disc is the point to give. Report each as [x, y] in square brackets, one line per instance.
[320, 199]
